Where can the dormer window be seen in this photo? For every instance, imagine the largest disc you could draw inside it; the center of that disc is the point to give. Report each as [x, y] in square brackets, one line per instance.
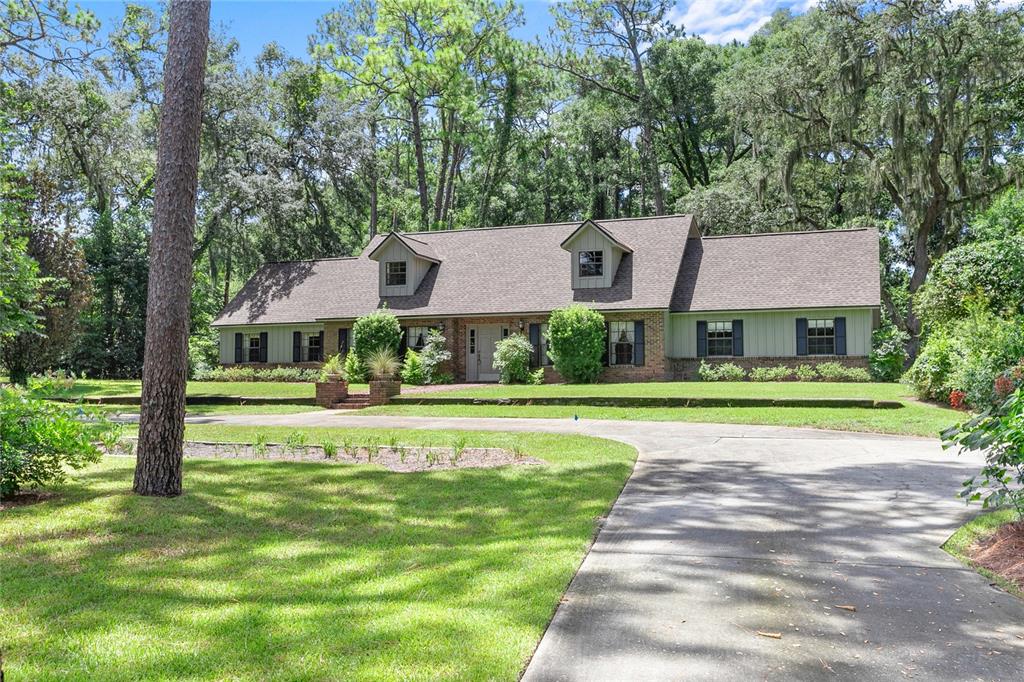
[395, 273]
[591, 263]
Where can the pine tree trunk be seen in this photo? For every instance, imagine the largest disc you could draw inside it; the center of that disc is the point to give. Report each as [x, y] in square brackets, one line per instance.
[162, 418]
[421, 166]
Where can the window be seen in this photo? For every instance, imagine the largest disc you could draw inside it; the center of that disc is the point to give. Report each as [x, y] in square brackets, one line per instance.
[314, 353]
[253, 354]
[472, 341]
[719, 338]
[821, 337]
[620, 341]
[591, 263]
[416, 337]
[544, 345]
[394, 273]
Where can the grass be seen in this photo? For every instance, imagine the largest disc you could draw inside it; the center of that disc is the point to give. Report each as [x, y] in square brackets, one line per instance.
[914, 419]
[250, 389]
[286, 570]
[694, 389]
[981, 526]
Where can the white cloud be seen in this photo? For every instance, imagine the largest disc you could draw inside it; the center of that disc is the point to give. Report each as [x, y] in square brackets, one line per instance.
[727, 20]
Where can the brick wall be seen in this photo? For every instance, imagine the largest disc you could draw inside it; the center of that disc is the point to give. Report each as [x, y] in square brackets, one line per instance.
[330, 392]
[685, 369]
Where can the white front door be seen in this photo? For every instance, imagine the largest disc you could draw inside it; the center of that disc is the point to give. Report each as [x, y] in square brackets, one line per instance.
[480, 343]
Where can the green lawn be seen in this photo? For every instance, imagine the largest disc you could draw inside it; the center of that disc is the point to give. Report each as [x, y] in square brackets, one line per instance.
[251, 389]
[694, 389]
[287, 570]
[206, 410]
[915, 419]
[974, 530]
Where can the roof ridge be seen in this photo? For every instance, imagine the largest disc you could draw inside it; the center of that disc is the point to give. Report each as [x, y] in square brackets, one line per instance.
[310, 260]
[558, 224]
[788, 233]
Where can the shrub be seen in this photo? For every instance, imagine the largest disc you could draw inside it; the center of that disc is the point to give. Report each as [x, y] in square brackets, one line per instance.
[333, 366]
[779, 373]
[576, 343]
[888, 352]
[537, 376]
[999, 433]
[806, 373]
[835, 371]
[726, 371]
[383, 364]
[434, 356]
[512, 359]
[40, 440]
[377, 331]
[412, 369]
[354, 369]
[929, 375]
[244, 373]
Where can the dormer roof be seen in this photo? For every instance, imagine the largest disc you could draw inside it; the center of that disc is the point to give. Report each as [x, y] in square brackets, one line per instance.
[417, 247]
[589, 224]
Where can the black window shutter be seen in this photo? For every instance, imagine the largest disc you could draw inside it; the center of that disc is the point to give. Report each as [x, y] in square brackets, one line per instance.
[343, 341]
[638, 343]
[321, 351]
[801, 336]
[239, 357]
[607, 340]
[840, 330]
[536, 359]
[737, 338]
[296, 346]
[264, 343]
[702, 338]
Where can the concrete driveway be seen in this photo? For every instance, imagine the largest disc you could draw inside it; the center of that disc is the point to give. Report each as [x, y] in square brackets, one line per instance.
[745, 553]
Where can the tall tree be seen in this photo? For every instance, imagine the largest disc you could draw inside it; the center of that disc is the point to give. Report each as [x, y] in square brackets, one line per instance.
[162, 415]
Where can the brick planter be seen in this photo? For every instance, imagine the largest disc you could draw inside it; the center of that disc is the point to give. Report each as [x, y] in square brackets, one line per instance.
[330, 392]
[381, 390]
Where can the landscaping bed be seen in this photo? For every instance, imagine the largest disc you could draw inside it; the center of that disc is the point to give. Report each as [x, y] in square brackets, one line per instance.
[659, 401]
[1002, 553]
[398, 458]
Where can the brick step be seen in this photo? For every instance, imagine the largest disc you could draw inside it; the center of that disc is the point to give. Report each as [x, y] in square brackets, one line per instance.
[355, 401]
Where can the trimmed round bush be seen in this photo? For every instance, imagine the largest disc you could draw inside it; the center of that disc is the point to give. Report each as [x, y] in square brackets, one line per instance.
[374, 332]
[576, 343]
[512, 359]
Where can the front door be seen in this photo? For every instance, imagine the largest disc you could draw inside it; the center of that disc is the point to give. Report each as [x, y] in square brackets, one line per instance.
[481, 340]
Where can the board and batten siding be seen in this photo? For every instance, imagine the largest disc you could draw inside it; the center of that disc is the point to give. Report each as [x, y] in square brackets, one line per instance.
[769, 333]
[415, 268]
[592, 240]
[279, 340]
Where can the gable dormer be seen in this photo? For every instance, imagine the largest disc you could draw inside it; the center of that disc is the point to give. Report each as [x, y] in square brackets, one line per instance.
[404, 261]
[595, 255]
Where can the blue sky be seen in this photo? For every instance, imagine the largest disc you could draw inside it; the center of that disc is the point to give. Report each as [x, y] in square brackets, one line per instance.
[257, 22]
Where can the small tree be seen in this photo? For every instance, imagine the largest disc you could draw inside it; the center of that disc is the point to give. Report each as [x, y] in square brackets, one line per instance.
[576, 343]
[377, 331]
[434, 357]
[512, 359]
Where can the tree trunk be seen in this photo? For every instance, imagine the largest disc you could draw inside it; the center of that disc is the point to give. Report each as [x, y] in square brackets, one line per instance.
[373, 179]
[421, 167]
[162, 414]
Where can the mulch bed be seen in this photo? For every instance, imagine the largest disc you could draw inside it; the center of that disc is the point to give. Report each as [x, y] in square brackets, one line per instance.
[402, 459]
[24, 498]
[1002, 552]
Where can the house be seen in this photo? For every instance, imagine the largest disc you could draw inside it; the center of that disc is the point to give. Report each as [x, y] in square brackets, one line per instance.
[671, 297]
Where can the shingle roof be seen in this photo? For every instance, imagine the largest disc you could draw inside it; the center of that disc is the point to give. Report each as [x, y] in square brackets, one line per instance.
[417, 246]
[510, 270]
[829, 268]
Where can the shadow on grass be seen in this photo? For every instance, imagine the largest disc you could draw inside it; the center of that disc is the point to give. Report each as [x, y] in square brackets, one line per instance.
[321, 571]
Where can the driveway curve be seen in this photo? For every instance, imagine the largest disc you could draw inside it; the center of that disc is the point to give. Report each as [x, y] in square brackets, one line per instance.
[746, 552]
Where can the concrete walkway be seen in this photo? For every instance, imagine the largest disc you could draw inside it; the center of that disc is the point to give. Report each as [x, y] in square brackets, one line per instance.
[724, 532]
